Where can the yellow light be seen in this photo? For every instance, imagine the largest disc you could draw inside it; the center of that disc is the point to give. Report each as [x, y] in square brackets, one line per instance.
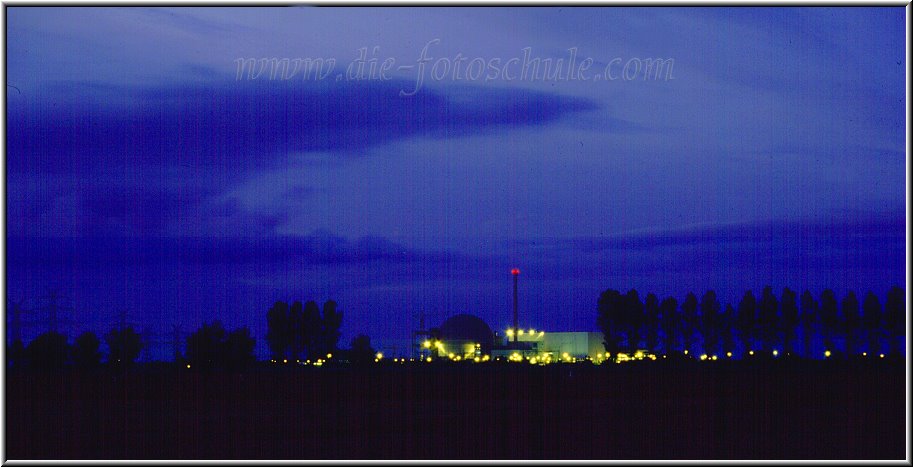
[188, 366]
[864, 354]
[664, 356]
[713, 357]
[686, 352]
[541, 333]
[428, 360]
[881, 355]
[703, 356]
[450, 355]
[329, 356]
[533, 360]
[477, 359]
[729, 354]
[751, 352]
[520, 332]
[426, 344]
[439, 345]
[608, 355]
[510, 332]
[284, 360]
[639, 355]
[532, 331]
[379, 356]
[775, 353]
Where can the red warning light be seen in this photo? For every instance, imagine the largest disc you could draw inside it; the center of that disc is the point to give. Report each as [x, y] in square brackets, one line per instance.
[515, 271]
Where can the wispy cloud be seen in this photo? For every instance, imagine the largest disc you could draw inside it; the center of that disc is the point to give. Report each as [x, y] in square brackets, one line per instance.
[78, 126]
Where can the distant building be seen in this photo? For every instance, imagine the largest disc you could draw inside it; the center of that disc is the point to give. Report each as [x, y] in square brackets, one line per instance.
[465, 336]
[558, 345]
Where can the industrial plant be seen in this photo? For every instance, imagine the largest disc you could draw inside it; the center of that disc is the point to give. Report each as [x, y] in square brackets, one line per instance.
[466, 337]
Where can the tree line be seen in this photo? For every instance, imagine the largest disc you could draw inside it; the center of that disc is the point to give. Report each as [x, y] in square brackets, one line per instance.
[786, 323]
[295, 332]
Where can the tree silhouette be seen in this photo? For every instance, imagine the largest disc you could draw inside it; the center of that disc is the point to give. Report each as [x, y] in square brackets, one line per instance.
[15, 355]
[872, 321]
[790, 320]
[651, 322]
[239, 349]
[311, 330]
[48, 351]
[747, 320]
[768, 320]
[609, 320]
[204, 346]
[633, 316]
[689, 320]
[210, 347]
[671, 324]
[808, 318]
[361, 351]
[278, 334]
[895, 315]
[85, 351]
[727, 324]
[711, 322]
[332, 322]
[296, 330]
[851, 322]
[830, 319]
[124, 346]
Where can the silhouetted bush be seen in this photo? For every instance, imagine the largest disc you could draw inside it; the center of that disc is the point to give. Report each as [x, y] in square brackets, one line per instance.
[85, 351]
[361, 351]
[49, 351]
[124, 346]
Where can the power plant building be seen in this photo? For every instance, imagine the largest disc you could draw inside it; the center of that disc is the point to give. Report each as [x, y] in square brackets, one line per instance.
[465, 336]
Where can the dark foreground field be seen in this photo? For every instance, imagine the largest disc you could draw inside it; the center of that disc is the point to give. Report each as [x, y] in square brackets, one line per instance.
[653, 410]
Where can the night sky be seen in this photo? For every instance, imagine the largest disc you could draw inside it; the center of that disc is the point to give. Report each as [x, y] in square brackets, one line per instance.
[141, 174]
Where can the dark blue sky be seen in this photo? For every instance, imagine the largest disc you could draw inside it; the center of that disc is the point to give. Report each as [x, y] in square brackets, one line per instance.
[141, 174]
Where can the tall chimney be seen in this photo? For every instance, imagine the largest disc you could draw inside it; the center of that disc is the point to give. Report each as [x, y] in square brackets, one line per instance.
[516, 273]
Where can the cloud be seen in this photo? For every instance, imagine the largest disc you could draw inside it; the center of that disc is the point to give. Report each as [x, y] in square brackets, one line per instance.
[75, 127]
[872, 228]
[112, 252]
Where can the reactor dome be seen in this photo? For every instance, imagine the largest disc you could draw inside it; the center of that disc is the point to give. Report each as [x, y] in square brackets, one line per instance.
[463, 328]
